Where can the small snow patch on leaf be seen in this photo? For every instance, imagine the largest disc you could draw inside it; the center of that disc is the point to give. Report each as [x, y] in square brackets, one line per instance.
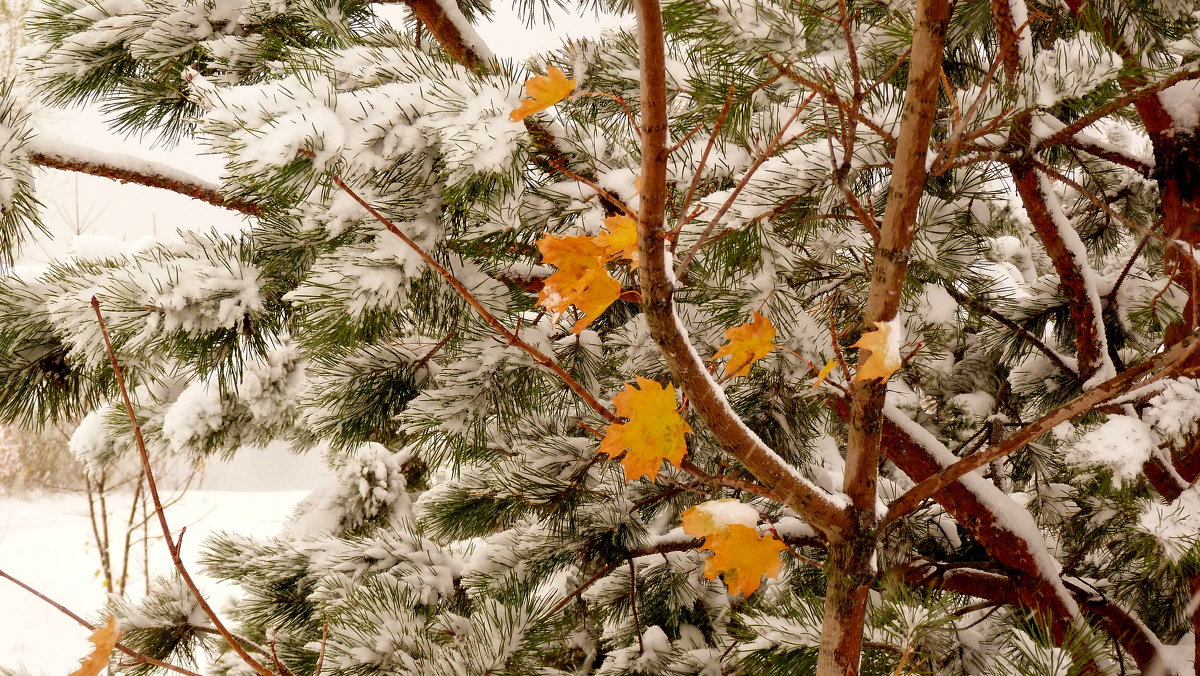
[740, 555]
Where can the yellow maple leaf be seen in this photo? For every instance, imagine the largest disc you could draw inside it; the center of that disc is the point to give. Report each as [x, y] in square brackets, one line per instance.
[655, 431]
[742, 556]
[543, 91]
[620, 239]
[747, 344]
[104, 639]
[825, 371]
[884, 345]
[581, 279]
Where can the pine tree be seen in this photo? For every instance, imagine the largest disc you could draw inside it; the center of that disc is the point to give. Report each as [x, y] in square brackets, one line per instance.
[979, 217]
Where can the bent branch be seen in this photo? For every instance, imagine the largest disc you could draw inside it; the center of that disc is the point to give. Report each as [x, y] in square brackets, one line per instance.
[658, 286]
[129, 169]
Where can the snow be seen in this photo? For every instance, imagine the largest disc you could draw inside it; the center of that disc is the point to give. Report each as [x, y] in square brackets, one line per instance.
[1072, 69]
[1182, 101]
[936, 306]
[1174, 411]
[1122, 444]
[46, 542]
[1173, 525]
[729, 511]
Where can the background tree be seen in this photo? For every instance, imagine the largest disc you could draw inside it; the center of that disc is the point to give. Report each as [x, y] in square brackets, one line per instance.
[996, 203]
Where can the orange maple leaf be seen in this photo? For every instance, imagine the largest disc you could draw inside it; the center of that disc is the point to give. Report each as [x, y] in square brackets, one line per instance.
[747, 344]
[104, 639]
[543, 91]
[742, 557]
[654, 432]
[581, 279]
[884, 345]
[620, 240]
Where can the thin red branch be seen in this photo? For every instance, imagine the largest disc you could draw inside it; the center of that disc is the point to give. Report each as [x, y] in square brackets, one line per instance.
[199, 191]
[1145, 372]
[658, 303]
[512, 337]
[172, 544]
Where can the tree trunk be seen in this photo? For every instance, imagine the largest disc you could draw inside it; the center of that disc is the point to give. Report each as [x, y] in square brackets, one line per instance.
[849, 571]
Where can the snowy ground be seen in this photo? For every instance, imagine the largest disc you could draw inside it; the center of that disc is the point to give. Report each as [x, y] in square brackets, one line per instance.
[46, 542]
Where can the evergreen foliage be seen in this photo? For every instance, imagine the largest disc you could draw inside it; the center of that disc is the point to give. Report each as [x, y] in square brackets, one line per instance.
[472, 528]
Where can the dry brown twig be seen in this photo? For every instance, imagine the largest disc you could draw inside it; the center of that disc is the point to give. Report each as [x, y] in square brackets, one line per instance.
[173, 545]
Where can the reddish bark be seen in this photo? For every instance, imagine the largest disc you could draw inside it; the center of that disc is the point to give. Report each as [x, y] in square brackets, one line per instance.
[1008, 549]
[1072, 278]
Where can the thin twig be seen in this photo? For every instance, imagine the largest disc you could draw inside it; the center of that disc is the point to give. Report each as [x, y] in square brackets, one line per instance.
[509, 335]
[637, 622]
[1112, 106]
[604, 193]
[172, 545]
[1013, 326]
[745, 180]
[124, 174]
[321, 655]
[687, 198]
[91, 627]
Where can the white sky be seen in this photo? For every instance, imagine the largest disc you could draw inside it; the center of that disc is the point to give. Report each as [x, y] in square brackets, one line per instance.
[80, 204]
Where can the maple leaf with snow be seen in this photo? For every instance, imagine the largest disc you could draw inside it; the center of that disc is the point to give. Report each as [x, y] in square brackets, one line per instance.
[747, 344]
[543, 91]
[104, 639]
[654, 432]
[740, 555]
[884, 346]
[581, 279]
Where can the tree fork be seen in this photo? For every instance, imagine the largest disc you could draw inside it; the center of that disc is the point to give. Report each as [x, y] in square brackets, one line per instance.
[658, 304]
[846, 595]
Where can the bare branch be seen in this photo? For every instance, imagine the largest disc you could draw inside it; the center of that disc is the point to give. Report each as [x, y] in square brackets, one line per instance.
[1143, 373]
[129, 169]
[658, 303]
[172, 544]
[146, 659]
[991, 313]
[1070, 262]
[509, 335]
[447, 32]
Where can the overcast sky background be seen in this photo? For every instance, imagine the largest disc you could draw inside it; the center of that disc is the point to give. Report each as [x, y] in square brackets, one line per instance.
[104, 209]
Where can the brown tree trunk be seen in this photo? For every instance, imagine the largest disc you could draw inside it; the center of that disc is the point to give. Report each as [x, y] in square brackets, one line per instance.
[849, 576]
[851, 564]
